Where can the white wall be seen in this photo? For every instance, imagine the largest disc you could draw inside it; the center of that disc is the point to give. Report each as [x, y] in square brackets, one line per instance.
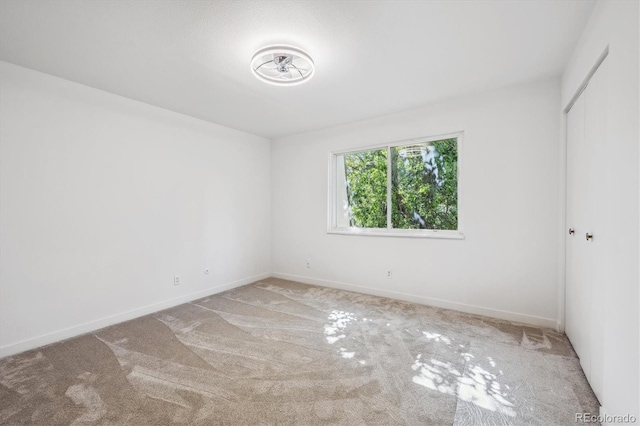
[615, 23]
[507, 264]
[103, 199]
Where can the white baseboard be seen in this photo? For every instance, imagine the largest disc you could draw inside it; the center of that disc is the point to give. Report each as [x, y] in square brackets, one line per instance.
[90, 326]
[439, 303]
[559, 326]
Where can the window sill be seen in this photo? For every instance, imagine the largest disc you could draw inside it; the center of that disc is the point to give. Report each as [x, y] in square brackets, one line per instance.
[410, 233]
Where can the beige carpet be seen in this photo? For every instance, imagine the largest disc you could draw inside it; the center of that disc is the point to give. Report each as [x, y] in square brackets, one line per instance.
[279, 352]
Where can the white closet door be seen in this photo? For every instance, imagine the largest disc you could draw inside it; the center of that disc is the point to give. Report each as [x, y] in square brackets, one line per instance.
[595, 138]
[578, 278]
[586, 195]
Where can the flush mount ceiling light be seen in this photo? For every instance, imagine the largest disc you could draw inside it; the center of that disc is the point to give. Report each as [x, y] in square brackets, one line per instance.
[282, 65]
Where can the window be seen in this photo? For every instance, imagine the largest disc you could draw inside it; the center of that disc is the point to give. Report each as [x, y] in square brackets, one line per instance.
[407, 188]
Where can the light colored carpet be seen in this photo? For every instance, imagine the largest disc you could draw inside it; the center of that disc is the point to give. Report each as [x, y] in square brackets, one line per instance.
[279, 352]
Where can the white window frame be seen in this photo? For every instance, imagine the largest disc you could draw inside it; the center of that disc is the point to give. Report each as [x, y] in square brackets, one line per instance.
[332, 227]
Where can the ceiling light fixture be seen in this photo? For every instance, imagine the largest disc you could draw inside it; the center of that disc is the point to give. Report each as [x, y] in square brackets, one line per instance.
[282, 65]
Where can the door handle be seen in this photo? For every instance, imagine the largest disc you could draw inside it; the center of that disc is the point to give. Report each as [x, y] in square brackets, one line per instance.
[572, 231]
[589, 236]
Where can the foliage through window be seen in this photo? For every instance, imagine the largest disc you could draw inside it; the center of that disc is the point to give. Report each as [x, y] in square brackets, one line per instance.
[408, 186]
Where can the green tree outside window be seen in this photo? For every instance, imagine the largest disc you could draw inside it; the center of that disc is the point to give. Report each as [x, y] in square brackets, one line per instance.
[423, 184]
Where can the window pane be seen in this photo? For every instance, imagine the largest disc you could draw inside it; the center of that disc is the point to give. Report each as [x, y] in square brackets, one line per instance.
[362, 189]
[424, 185]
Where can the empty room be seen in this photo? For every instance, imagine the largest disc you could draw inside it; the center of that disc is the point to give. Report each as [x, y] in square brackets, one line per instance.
[322, 212]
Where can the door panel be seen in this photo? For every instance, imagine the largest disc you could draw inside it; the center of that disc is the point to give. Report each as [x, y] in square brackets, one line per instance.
[595, 136]
[577, 276]
[585, 210]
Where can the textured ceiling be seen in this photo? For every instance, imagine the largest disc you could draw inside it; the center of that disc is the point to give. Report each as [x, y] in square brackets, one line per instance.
[372, 57]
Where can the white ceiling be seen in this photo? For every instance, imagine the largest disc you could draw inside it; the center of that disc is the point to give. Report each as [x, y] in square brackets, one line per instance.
[372, 57]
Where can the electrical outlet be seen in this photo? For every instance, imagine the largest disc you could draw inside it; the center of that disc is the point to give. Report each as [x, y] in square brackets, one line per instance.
[308, 264]
[389, 273]
[176, 280]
